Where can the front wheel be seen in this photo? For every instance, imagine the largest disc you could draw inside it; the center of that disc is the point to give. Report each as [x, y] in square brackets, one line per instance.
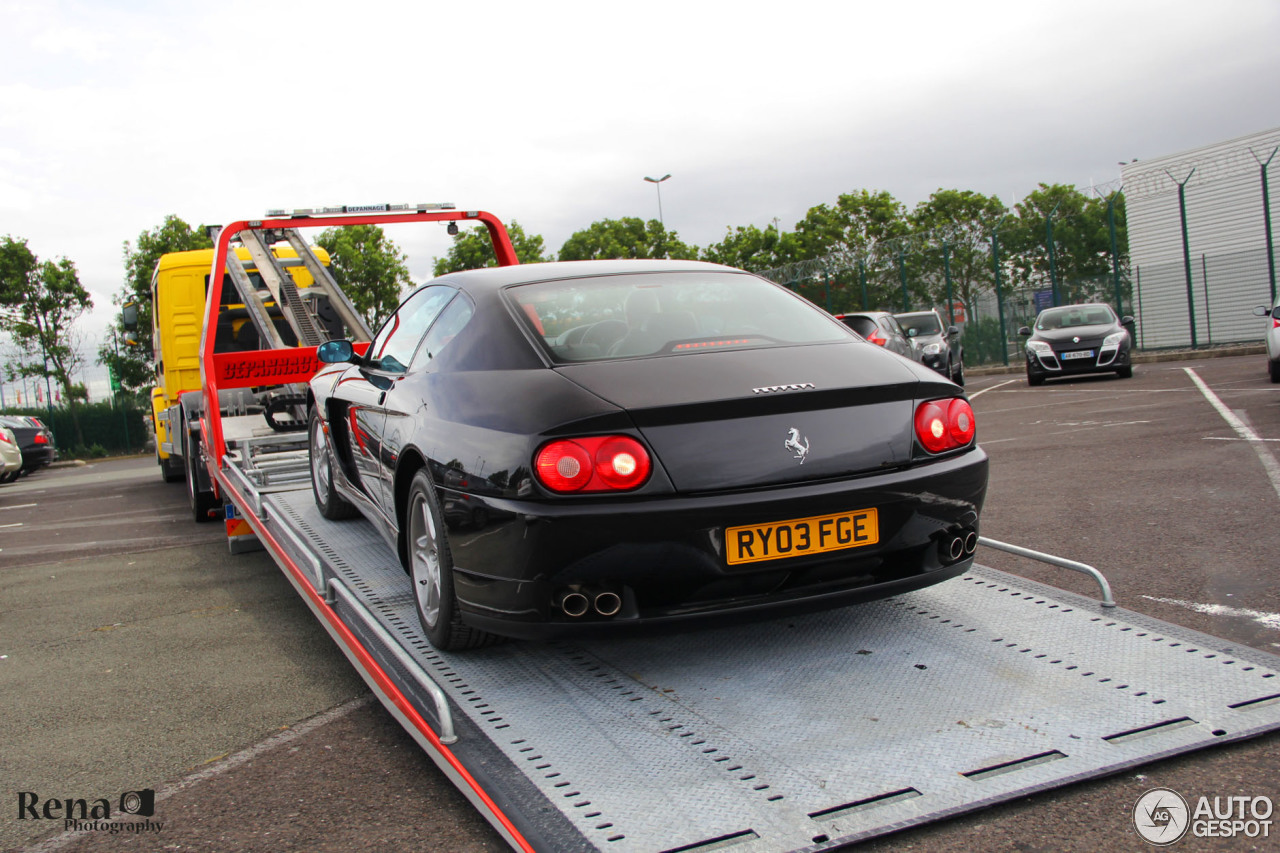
[202, 502]
[1125, 372]
[1034, 380]
[1273, 367]
[430, 565]
[957, 373]
[332, 505]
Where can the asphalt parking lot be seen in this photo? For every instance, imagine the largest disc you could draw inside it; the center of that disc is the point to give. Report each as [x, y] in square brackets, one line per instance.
[136, 653]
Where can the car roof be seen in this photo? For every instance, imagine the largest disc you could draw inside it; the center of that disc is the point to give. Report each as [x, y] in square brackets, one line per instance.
[916, 313]
[494, 278]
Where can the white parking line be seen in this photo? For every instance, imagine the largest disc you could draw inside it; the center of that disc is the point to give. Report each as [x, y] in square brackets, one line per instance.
[18, 506]
[977, 394]
[1270, 620]
[1269, 463]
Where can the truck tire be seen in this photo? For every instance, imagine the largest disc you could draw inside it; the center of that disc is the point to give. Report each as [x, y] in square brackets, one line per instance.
[430, 566]
[202, 502]
[332, 505]
[171, 469]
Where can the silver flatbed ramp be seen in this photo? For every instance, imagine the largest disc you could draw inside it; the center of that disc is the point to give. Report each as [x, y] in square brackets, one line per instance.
[800, 733]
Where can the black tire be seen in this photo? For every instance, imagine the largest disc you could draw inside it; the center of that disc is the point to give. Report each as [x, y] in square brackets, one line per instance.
[957, 374]
[1125, 372]
[202, 503]
[11, 476]
[1273, 367]
[171, 469]
[332, 505]
[430, 566]
[1034, 380]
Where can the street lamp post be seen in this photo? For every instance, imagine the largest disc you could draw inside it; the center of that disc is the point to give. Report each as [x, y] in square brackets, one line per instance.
[657, 186]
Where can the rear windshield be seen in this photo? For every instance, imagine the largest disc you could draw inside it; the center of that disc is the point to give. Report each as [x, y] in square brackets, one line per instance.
[625, 316]
[860, 324]
[925, 324]
[1075, 315]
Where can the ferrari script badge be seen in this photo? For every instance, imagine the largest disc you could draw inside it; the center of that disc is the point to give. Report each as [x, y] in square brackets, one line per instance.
[797, 444]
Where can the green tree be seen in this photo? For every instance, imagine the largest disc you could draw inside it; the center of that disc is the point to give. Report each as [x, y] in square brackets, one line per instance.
[1081, 243]
[752, 248]
[856, 237]
[472, 249]
[44, 300]
[955, 230]
[368, 266]
[134, 365]
[629, 237]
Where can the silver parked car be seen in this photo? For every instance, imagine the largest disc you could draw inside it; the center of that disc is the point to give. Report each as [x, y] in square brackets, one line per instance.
[1273, 338]
[10, 456]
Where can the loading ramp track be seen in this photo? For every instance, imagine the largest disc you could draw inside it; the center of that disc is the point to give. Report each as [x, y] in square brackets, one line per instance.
[799, 733]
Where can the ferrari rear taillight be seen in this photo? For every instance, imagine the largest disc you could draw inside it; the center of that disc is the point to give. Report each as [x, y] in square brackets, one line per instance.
[598, 463]
[943, 425]
[41, 438]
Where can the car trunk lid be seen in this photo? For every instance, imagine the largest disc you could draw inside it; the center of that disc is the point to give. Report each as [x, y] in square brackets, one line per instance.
[746, 418]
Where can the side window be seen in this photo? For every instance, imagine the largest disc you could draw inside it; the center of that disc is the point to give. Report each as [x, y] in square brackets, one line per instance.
[451, 322]
[392, 348]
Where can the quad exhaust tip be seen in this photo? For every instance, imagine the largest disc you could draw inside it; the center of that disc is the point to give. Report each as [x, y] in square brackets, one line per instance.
[607, 603]
[576, 603]
[959, 545]
[573, 603]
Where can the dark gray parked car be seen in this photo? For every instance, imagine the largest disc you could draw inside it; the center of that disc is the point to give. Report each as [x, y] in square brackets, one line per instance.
[1074, 339]
[882, 329]
[934, 347]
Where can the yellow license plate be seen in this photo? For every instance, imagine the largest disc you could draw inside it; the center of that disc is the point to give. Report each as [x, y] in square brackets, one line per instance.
[756, 543]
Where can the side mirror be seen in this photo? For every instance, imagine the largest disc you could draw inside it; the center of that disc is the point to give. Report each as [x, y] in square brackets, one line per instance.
[1025, 331]
[1262, 311]
[1126, 320]
[336, 352]
[129, 315]
[952, 331]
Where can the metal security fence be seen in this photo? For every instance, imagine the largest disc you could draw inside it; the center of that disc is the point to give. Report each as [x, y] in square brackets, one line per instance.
[1210, 303]
[968, 285]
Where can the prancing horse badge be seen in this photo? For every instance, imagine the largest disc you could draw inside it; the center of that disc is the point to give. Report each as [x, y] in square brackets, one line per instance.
[797, 444]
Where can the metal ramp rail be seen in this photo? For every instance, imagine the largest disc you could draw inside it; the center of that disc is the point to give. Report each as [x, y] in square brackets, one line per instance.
[801, 733]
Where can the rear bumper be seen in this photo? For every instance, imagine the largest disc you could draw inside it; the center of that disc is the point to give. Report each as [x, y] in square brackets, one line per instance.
[665, 558]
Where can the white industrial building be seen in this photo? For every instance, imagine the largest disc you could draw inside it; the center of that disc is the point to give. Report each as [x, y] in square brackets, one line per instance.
[1226, 235]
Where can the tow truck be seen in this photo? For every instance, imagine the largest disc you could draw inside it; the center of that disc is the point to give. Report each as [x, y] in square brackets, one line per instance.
[801, 733]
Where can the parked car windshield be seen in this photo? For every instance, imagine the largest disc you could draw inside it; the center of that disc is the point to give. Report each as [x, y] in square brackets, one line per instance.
[1069, 316]
[925, 324]
[624, 316]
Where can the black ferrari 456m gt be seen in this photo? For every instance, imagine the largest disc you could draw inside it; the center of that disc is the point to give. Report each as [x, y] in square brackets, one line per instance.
[563, 446]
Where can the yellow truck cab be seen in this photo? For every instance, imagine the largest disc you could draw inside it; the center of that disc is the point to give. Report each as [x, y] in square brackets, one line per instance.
[178, 289]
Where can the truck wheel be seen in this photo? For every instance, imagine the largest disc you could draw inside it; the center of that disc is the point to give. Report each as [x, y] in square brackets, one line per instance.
[202, 503]
[170, 469]
[332, 505]
[431, 570]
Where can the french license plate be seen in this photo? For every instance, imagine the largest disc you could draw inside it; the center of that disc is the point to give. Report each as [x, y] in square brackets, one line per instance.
[1080, 353]
[756, 543]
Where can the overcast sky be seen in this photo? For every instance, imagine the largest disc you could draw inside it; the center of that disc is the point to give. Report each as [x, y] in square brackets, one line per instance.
[115, 114]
